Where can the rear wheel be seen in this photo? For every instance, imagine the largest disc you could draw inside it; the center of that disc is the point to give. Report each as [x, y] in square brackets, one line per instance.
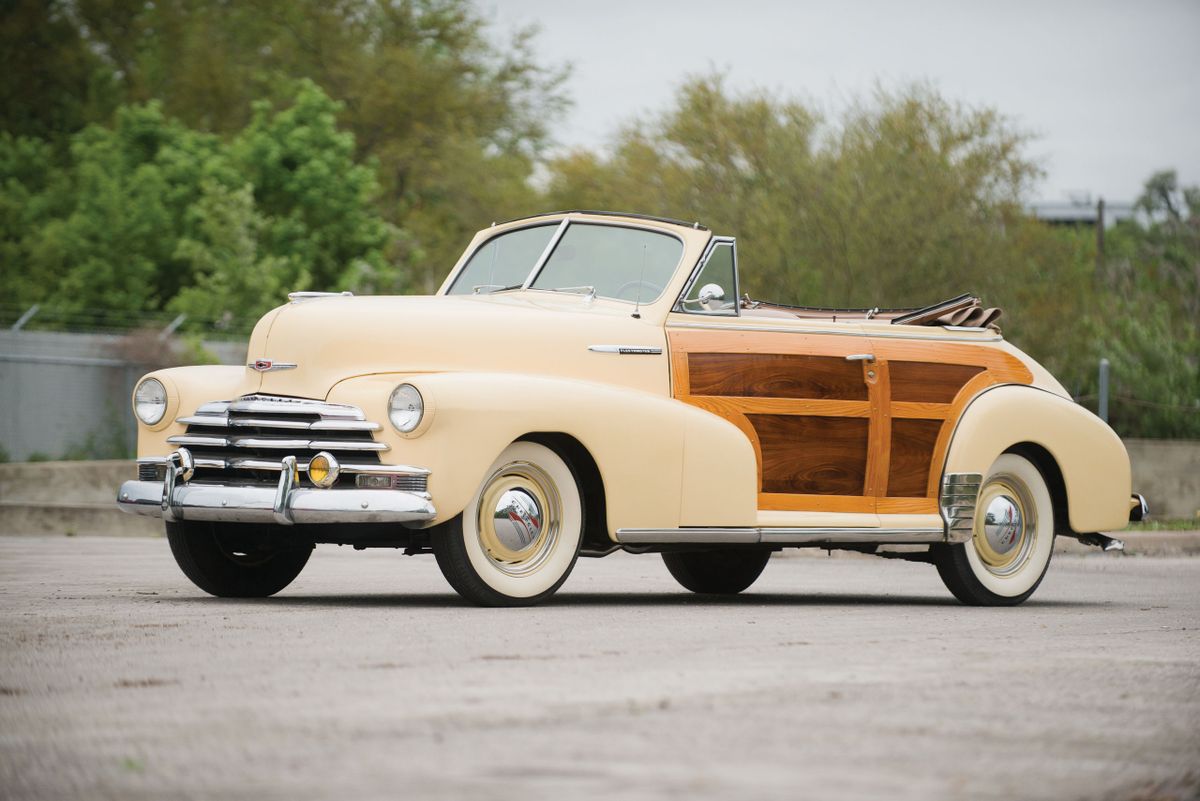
[519, 537]
[235, 560]
[1008, 554]
[720, 572]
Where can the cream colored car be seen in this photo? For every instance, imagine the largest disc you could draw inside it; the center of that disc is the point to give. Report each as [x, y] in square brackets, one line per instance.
[584, 383]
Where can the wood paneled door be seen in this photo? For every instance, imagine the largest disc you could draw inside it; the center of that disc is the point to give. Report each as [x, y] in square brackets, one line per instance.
[839, 423]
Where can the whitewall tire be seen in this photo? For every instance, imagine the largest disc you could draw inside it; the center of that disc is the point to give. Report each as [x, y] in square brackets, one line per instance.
[1009, 550]
[519, 537]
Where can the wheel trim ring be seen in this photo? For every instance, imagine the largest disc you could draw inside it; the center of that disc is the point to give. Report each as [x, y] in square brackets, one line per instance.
[534, 481]
[1011, 561]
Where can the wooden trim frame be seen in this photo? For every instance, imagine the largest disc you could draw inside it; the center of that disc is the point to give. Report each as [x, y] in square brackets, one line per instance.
[936, 382]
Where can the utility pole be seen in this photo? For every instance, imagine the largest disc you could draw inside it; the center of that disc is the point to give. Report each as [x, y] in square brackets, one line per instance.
[1100, 237]
[1102, 401]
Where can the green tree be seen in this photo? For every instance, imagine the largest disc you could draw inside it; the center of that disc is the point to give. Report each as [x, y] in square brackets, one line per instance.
[151, 215]
[454, 120]
[52, 83]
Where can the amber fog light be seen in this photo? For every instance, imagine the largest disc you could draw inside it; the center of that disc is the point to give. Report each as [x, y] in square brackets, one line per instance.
[323, 469]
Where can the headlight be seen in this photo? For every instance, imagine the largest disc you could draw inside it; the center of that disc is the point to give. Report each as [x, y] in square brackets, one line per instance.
[405, 408]
[150, 401]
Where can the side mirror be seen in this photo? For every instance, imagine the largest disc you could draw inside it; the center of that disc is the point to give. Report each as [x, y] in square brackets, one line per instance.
[711, 297]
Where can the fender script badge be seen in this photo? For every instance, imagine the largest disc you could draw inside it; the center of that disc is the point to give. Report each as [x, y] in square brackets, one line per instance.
[268, 366]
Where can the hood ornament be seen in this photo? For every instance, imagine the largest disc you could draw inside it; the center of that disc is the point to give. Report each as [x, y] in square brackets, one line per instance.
[269, 366]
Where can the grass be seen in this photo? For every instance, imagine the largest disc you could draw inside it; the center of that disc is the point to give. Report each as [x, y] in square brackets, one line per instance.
[1178, 524]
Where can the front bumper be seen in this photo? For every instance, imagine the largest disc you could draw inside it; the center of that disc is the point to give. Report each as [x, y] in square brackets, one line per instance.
[177, 498]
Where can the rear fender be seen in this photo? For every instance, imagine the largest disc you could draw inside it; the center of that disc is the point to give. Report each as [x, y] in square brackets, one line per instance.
[1089, 454]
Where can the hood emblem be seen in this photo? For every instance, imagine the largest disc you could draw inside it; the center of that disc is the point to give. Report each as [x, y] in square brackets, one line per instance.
[268, 366]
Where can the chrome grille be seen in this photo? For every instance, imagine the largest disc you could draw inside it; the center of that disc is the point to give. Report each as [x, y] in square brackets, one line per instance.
[248, 437]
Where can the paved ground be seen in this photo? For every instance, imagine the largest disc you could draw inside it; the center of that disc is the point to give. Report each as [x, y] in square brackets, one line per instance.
[844, 678]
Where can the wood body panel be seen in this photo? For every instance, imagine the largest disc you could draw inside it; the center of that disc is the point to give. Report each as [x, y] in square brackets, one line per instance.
[871, 445]
[812, 455]
[776, 375]
[913, 443]
[929, 382]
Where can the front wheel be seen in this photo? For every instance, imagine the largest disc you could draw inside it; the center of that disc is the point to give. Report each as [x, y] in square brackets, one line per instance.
[235, 560]
[519, 537]
[1009, 551]
[720, 572]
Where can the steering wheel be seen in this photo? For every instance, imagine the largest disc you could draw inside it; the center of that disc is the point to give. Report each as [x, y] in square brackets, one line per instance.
[655, 289]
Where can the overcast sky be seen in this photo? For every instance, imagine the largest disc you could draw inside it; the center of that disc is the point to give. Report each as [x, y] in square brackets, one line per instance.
[1111, 89]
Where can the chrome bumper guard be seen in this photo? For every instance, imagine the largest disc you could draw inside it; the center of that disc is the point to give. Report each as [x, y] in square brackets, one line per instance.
[960, 492]
[178, 498]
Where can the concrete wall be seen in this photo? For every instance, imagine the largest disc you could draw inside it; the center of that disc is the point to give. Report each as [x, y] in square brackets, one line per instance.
[1167, 473]
[62, 392]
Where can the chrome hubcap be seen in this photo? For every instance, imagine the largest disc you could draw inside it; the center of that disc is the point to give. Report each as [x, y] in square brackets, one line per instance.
[1002, 524]
[517, 519]
[1006, 526]
[520, 514]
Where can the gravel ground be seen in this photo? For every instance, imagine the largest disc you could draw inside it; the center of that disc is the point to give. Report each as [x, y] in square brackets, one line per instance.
[845, 678]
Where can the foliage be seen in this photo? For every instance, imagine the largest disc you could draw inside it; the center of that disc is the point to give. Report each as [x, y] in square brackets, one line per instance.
[1148, 297]
[454, 120]
[149, 214]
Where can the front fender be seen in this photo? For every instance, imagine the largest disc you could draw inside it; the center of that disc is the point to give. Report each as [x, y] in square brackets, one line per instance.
[1091, 457]
[663, 463]
[187, 388]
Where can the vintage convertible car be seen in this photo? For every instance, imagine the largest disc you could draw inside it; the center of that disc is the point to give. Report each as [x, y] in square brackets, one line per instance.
[586, 382]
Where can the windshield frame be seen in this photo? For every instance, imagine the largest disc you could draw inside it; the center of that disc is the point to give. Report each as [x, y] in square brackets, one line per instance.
[557, 236]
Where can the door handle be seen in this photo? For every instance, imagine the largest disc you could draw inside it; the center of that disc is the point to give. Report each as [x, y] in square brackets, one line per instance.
[861, 357]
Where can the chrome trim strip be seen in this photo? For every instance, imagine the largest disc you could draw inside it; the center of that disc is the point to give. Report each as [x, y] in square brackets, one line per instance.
[343, 425]
[348, 445]
[279, 444]
[224, 421]
[198, 439]
[275, 404]
[270, 366]
[296, 297]
[267, 464]
[806, 330]
[626, 350]
[779, 536]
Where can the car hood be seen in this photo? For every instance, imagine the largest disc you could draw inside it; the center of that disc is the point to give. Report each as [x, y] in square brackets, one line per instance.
[331, 339]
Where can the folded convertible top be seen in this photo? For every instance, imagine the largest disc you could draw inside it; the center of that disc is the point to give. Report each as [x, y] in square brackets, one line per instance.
[966, 311]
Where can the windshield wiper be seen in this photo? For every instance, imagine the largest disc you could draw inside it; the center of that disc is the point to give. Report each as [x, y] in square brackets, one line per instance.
[492, 289]
[590, 291]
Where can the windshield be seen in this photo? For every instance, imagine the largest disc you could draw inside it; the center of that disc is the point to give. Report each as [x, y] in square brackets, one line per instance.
[630, 264]
[504, 261]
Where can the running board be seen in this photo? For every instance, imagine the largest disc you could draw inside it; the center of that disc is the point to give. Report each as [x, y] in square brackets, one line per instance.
[780, 536]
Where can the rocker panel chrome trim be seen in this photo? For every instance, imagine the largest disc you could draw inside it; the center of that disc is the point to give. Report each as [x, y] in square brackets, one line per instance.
[779, 536]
